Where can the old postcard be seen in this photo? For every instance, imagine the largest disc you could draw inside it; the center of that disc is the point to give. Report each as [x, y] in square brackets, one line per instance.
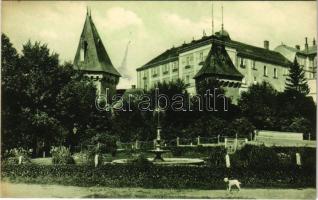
[158, 99]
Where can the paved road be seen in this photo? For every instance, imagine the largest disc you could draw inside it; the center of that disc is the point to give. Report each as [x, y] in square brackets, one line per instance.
[34, 190]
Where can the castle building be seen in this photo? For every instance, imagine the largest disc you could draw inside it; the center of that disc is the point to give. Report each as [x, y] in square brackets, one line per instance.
[91, 58]
[255, 64]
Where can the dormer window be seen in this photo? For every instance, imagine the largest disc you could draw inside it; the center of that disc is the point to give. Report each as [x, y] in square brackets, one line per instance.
[83, 51]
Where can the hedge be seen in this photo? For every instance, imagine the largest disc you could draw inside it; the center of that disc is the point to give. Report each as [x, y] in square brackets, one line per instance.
[156, 176]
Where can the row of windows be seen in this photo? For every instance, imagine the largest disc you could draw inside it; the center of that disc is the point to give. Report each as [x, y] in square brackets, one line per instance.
[189, 60]
[165, 69]
[244, 63]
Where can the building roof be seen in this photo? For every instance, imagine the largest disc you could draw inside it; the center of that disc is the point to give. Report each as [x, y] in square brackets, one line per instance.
[287, 51]
[218, 63]
[243, 50]
[96, 57]
[312, 50]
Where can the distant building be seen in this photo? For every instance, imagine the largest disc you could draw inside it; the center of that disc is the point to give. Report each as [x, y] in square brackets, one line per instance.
[91, 57]
[307, 58]
[255, 64]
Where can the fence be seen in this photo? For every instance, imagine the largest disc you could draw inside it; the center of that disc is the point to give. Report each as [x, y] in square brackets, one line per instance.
[232, 144]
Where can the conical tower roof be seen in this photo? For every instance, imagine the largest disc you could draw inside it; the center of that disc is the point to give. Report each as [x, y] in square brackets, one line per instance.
[91, 55]
[218, 64]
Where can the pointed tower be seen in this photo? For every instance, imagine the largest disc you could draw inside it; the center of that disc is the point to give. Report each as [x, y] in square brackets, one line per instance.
[91, 58]
[218, 66]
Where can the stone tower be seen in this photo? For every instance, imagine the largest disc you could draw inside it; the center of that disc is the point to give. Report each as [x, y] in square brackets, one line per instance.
[92, 58]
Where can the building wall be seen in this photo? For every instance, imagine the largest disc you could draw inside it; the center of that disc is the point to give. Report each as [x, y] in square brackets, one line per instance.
[190, 62]
[309, 64]
[103, 81]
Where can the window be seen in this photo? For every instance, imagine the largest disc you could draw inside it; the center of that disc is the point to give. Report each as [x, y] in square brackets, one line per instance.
[187, 81]
[201, 56]
[275, 73]
[174, 67]
[83, 50]
[253, 64]
[265, 70]
[154, 71]
[243, 62]
[165, 69]
[188, 60]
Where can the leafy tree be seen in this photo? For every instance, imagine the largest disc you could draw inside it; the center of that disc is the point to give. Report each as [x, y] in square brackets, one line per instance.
[11, 98]
[42, 99]
[75, 107]
[258, 104]
[242, 127]
[296, 81]
[207, 127]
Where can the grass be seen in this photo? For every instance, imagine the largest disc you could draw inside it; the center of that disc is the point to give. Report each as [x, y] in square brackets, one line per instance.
[34, 190]
[42, 161]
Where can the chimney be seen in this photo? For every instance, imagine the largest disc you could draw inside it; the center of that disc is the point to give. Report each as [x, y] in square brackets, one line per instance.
[314, 42]
[297, 47]
[133, 86]
[266, 44]
[306, 43]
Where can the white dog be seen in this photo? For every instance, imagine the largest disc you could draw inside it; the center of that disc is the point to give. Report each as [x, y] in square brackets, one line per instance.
[232, 183]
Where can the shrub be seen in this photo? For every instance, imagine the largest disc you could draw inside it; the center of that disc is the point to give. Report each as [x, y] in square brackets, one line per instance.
[61, 155]
[104, 143]
[196, 151]
[157, 176]
[141, 161]
[217, 157]
[12, 156]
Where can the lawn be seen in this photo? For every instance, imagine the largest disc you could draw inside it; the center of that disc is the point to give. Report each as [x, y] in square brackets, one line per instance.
[34, 190]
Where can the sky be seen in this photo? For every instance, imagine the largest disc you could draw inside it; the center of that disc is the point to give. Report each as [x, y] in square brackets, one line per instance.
[153, 26]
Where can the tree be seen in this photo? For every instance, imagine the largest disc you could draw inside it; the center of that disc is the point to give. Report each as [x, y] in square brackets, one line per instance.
[42, 99]
[296, 81]
[11, 98]
[76, 107]
[259, 105]
[242, 127]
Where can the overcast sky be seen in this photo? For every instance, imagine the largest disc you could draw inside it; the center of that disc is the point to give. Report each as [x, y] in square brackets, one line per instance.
[154, 27]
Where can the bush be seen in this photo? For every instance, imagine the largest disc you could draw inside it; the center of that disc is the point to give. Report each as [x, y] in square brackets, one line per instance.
[273, 158]
[12, 156]
[196, 151]
[157, 176]
[61, 155]
[142, 161]
[105, 143]
[217, 157]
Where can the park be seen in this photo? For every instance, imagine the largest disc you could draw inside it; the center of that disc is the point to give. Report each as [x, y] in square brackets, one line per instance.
[209, 118]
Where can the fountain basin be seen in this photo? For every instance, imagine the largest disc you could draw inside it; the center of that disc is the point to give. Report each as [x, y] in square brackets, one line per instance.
[167, 161]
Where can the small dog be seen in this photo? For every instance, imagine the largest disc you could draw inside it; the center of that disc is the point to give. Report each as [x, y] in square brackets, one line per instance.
[232, 183]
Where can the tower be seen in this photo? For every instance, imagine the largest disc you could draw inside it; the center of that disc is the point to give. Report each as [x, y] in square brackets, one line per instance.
[219, 67]
[91, 58]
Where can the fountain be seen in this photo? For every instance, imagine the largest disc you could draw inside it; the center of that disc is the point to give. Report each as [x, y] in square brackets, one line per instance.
[158, 151]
